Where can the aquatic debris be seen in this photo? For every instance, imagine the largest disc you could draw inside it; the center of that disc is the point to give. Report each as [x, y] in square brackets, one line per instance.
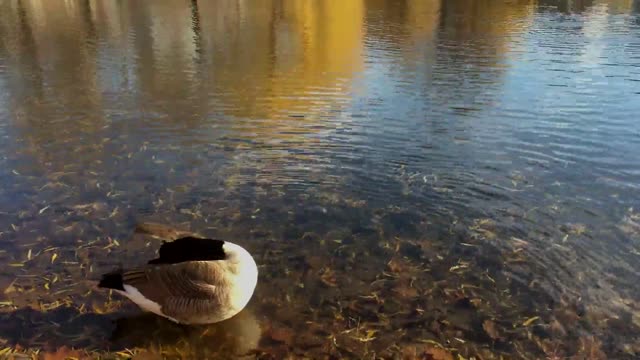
[484, 229]
[557, 328]
[328, 277]
[314, 262]
[420, 352]
[458, 267]
[530, 321]
[405, 291]
[490, 328]
[64, 353]
[361, 293]
[161, 231]
[630, 225]
[6, 351]
[589, 348]
[398, 265]
[281, 334]
[519, 242]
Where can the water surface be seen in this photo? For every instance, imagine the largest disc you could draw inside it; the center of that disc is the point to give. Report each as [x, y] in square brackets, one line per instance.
[415, 178]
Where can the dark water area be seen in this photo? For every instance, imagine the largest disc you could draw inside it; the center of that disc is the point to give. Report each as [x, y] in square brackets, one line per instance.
[417, 179]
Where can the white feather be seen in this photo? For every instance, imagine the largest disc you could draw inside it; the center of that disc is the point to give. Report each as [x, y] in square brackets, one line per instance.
[136, 296]
[244, 279]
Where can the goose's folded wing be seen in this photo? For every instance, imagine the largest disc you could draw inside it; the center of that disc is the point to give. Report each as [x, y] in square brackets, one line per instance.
[198, 286]
[186, 308]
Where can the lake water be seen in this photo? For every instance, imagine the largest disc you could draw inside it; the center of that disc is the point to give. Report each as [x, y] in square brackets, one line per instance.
[417, 179]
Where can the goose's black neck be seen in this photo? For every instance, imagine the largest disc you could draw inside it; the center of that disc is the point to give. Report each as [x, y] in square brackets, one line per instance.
[190, 249]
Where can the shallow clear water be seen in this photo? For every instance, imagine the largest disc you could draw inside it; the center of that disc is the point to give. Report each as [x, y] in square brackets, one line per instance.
[412, 176]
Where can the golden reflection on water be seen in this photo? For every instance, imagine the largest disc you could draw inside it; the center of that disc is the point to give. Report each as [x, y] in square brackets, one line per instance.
[259, 61]
[186, 64]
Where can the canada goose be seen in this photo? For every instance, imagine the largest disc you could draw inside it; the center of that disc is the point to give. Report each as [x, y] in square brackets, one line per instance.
[194, 280]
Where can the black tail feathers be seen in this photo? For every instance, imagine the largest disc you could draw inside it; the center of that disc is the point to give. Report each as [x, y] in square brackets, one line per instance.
[112, 280]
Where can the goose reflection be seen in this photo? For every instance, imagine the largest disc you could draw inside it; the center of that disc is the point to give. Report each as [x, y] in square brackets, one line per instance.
[148, 333]
[235, 337]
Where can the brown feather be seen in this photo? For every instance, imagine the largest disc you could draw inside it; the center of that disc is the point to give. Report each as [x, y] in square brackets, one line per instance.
[184, 289]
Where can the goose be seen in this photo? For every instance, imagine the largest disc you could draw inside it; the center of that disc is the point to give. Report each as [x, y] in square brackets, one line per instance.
[194, 280]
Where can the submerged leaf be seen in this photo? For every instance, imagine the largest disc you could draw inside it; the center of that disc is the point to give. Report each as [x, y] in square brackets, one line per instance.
[589, 348]
[530, 321]
[405, 291]
[63, 353]
[429, 352]
[282, 334]
[328, 277]
[439, 354]
[490, 328]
